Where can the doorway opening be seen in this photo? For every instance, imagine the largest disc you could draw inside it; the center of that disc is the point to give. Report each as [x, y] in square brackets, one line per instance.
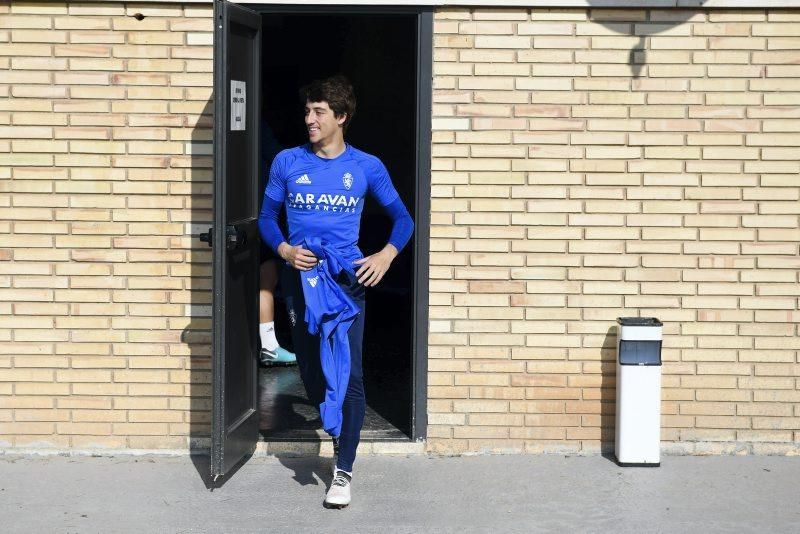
[378, 53]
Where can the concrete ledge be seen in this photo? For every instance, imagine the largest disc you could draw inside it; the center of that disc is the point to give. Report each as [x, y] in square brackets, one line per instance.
[723, 448]
[325, 448]
[263, 448]
[408, 448]
[100, 453]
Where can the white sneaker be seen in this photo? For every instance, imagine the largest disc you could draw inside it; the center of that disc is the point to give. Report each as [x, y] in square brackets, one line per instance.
[339, 493]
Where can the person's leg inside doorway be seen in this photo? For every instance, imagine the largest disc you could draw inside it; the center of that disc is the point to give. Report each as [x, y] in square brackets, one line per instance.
[271, 352]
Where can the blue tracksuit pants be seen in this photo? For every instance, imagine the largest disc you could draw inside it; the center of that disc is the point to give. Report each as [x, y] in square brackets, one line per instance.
[308, 359]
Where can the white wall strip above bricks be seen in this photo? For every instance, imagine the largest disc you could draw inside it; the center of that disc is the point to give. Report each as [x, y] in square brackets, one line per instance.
[718, 4]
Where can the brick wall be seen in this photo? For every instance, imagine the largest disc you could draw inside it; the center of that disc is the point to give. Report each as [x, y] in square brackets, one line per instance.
[587, 165]
[604, 163]
[105, 171]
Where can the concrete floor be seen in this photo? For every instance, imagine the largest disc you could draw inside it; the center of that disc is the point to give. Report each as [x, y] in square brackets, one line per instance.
[402, 494]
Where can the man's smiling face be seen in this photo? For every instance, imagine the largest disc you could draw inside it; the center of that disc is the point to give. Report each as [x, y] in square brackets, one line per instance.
[321, 123]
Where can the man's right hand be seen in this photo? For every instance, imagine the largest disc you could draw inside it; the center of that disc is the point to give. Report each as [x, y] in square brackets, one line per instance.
[298, 257]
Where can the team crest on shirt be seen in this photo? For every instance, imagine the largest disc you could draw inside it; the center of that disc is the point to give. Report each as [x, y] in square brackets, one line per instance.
[347, 180]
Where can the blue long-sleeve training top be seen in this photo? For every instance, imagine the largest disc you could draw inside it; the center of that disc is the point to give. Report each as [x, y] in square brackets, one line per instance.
[325, 198]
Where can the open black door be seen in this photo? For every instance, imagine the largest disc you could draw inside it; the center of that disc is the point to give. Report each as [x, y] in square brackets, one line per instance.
[237, 48]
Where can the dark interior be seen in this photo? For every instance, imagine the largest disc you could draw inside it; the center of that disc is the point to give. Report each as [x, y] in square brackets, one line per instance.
[377, 54]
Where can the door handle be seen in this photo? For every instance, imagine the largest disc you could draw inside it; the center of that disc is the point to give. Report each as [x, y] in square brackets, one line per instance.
[234, 237]
[207, 237]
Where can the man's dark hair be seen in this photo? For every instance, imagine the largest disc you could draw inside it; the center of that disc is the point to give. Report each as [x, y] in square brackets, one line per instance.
[337, 91]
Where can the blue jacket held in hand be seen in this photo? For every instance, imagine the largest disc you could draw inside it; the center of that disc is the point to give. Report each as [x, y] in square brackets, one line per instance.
[329, 313]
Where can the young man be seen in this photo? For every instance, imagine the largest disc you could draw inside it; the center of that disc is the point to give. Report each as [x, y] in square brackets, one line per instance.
[322, 185]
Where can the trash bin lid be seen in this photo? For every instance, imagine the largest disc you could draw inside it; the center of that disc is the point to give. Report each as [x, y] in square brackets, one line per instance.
[639, 321]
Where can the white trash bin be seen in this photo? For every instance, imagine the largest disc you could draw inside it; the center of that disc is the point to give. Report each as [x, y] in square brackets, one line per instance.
[638, 432]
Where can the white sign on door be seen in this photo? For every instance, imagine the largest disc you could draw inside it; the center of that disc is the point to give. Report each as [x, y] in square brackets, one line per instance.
[238, 104]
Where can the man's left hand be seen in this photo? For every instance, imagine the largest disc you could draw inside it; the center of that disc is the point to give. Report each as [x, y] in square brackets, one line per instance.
[375, 266]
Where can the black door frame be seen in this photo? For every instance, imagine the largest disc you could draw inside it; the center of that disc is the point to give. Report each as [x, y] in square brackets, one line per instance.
[422, 202]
